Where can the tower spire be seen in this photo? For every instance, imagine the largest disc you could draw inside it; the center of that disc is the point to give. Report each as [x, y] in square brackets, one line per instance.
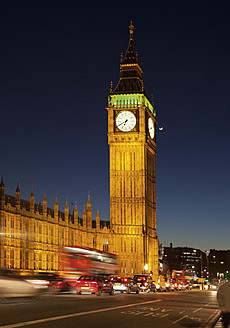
[2, 183]
[32, 191]
[131, 74]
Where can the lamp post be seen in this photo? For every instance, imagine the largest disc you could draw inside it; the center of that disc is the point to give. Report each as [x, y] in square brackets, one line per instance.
[207, 255]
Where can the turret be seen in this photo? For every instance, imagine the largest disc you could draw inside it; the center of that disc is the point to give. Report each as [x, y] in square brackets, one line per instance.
[56, 208]
[97, 220]
[89, 213]
[75, 214]
[32, 200]
[44, 205]
[17, 197]
[66, 211]
[84, 218]
[2, 194]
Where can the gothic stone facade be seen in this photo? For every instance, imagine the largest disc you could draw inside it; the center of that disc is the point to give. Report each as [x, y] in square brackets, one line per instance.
[30, 234]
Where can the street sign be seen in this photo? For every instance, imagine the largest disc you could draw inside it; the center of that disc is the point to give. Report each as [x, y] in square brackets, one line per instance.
[201, 280]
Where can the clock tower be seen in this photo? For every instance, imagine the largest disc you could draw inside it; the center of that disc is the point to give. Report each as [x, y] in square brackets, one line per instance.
[132, 148]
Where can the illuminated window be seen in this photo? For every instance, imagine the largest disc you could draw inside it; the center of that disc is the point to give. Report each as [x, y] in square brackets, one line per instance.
[27, 260]
[105, 245]
[21, 260]
[12, 258]
[26, 231]
[94, 242]
[4, 257]
[40, 261]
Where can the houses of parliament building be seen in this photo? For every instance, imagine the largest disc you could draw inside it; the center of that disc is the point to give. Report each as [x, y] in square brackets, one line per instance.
[31, 233]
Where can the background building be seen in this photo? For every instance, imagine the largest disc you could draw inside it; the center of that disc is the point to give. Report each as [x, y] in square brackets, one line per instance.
[219, 264]
[185, 258]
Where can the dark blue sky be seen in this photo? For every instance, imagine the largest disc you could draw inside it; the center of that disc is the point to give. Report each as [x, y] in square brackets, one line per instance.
[57, 59]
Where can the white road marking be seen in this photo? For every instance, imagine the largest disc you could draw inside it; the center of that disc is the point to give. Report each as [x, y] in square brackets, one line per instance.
[165, 315]
[67, 316]
[197, 310]
[167, 310]
[137, 313]
[185, 316]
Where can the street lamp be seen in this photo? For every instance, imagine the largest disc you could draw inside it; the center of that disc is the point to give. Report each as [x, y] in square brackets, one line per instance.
[146, 267]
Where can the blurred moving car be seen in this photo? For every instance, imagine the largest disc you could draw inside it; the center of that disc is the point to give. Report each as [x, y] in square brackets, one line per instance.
[92, 284]
[213, 286]
[181, 286]
[145, 283]
[40, 285]
[169, 286]
[126, 284]
[48, 282]
[133, 287]
[161, 285]
[188, 286]
[195, 284]
[12, 285]
[176, 286]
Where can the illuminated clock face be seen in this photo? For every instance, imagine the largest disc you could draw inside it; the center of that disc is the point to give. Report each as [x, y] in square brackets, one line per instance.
[125, 121]
[151, 128]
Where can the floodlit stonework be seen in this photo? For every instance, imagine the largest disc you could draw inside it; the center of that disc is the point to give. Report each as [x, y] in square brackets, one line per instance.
[132, 144]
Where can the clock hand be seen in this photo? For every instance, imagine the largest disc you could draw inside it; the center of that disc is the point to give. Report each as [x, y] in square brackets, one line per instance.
[123, 122]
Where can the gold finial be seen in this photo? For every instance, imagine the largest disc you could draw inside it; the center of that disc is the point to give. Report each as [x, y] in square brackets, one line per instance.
[121, 56]
[111, 86]
[131, 28]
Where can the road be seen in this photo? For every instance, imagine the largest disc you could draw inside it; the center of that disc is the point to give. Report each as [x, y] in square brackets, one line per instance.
[161, 310]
